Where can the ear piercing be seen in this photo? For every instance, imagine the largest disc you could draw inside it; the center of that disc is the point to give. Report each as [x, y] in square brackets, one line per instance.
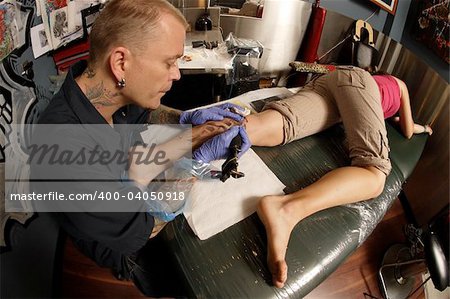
[121, 83]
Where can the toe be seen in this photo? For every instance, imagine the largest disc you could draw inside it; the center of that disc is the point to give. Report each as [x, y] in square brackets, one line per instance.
[279, 276]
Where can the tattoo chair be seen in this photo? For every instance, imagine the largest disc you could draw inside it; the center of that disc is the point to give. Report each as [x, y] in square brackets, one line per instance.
[233, 263]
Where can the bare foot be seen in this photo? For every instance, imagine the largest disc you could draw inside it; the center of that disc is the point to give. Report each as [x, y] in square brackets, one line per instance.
[279, 225]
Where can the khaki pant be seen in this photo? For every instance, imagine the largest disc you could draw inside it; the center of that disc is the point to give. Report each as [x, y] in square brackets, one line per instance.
[349, 95]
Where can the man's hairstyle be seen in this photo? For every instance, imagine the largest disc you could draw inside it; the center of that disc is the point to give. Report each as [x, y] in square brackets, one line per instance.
[128, 23]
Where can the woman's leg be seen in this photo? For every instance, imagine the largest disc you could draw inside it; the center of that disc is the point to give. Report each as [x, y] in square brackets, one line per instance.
[280, 214]
[303, 114]
[265, 128]
[357, 99]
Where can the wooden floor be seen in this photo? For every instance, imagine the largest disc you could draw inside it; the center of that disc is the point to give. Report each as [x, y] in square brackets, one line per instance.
[356, 278]
[82, 278]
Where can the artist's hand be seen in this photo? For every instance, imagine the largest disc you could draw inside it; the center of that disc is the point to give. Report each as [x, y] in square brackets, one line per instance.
[218, 147]
[215, 113]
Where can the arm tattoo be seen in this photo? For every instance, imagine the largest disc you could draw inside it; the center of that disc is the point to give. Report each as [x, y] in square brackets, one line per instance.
[164, 115]
[100, 96]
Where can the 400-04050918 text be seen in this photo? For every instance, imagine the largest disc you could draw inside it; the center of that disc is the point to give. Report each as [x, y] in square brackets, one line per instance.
[99, 195]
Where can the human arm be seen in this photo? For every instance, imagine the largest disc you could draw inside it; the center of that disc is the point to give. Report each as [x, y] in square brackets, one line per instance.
[95, 175]
[417, 128]
[218, 147]
[164, 115]
[167, 115]
[166, 153]
[174, 149]
[405, 119]
[215, 113]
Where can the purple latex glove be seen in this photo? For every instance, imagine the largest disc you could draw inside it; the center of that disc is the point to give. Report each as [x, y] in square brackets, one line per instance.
[217, 147]
[199, 117]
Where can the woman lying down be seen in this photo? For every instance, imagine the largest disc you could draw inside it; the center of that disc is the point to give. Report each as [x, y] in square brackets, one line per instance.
[349, 95]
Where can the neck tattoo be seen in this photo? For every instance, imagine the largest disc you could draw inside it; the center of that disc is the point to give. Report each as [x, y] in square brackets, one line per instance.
[99, 96]
[89, 73]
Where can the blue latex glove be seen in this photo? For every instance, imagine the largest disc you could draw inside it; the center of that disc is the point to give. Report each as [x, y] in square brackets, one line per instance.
[217, 147]
[215, 113]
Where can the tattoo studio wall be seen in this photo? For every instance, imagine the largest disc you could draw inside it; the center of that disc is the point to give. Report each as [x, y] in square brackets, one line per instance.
[38, 40]
[25, 90]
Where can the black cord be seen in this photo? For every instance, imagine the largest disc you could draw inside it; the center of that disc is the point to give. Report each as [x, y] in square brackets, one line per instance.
[410, 294]
[232, 80]
[370, 296]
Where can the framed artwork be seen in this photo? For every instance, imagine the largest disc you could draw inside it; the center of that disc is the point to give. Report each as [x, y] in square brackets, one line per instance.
[432, 26]
[88, 16]
[9, 30]
[389, 5]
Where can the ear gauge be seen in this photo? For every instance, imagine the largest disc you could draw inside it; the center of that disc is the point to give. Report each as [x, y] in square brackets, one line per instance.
[121, 83]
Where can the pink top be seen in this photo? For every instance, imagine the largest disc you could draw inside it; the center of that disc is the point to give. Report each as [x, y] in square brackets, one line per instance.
[390, 94]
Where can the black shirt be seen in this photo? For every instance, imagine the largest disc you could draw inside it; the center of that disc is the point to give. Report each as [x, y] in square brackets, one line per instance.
[106, 237]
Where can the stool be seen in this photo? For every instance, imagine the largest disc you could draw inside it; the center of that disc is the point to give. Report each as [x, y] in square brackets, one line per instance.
[400, 264]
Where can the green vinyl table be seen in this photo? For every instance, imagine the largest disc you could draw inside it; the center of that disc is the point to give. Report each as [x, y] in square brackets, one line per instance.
[232, 264]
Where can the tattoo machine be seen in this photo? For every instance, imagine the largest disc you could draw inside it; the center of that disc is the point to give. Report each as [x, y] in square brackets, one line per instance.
[229, 167]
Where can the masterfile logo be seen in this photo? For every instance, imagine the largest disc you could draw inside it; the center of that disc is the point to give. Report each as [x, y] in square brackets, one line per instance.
[86, 168]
